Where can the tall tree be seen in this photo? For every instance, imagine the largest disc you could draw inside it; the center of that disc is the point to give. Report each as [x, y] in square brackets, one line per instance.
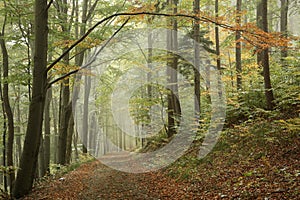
[66, 109]
[263, 54]
[25, 175]
[238, 47]
[4, 127]
[7, 107]
[196, 30]
[85, 123]
[47, 129]
[284, 25]
[173, 97]
[217, 37]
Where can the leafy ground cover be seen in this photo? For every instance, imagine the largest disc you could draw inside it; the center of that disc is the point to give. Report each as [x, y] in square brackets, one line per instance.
[254, 160]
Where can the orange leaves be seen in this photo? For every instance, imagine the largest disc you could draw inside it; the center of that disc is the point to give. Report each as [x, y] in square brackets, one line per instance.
[259, 38]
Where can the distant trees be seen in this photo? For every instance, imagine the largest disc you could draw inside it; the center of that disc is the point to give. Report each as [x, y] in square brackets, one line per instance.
[25, 76]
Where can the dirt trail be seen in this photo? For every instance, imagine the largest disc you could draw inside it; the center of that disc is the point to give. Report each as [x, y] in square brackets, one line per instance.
[94, 180]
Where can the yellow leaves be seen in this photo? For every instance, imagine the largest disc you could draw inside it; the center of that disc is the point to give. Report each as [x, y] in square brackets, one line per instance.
[86, 44]
[142, 8]
[61, 68]
[290, 124]
[63, 43]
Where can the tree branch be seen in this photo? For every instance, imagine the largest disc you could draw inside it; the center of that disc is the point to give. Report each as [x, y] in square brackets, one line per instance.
[92, 9]
[49, 4]
[195, 17]
[204, 19]
[91, 61]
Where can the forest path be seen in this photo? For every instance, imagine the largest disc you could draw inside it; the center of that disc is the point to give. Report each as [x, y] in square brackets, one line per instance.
[94, 180]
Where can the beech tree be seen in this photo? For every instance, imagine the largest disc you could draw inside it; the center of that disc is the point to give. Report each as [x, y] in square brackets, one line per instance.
[284, 24]
[263, 54]
[7, 107]
[197, 91]
[25, 175]
[40, 103]
[238, 47]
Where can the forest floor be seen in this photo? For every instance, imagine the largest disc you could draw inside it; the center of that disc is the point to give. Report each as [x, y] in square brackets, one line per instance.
[261, 162]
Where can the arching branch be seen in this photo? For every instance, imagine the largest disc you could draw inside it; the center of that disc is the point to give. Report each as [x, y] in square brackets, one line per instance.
[194, 17]
[91, 61]
[203, 19]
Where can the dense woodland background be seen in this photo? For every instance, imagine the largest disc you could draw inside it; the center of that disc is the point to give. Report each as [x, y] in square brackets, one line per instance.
[254, 45]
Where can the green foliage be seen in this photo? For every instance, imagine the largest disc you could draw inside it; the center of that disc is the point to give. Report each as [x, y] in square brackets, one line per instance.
[156, 141]
[60, 170]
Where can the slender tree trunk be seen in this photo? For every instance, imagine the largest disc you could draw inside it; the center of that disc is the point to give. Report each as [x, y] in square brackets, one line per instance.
[47, 126]
[79, 58]
[66, 110]
[173, 96]
[263, 57]
[260, 25]
[238, 47]
[75, 140]
[7, 107]
[3, 137]
[54, 114]
[85, 128]
[64, 122]
[174, 77]
[284, 26]
[8, 111]
[70, 139]
[41, 161]
[197, 90]
[25, 176]
[217, 36]
[18, 129]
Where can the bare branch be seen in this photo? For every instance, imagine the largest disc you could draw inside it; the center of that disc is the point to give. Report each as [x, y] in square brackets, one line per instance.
[92, 9]
[195, 17]
[204, 19]
[90, 62]
[49, 4]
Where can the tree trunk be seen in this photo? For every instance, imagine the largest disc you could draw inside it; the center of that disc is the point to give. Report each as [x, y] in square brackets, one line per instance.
[85, 128]
[64, 122]
[18, 129]
[25, 176]
[54, 114]
[197, 90]
[238, 47]
[8, 113]
[3, 138]
[217, 36]
[70, 139]
[66, 109]
[41, 160]
[47, 126]
[7, 108]
[263, 56]
[173, 97]
[284, 26]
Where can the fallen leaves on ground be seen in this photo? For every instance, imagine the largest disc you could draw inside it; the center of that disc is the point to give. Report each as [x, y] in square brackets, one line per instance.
[269, 169]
